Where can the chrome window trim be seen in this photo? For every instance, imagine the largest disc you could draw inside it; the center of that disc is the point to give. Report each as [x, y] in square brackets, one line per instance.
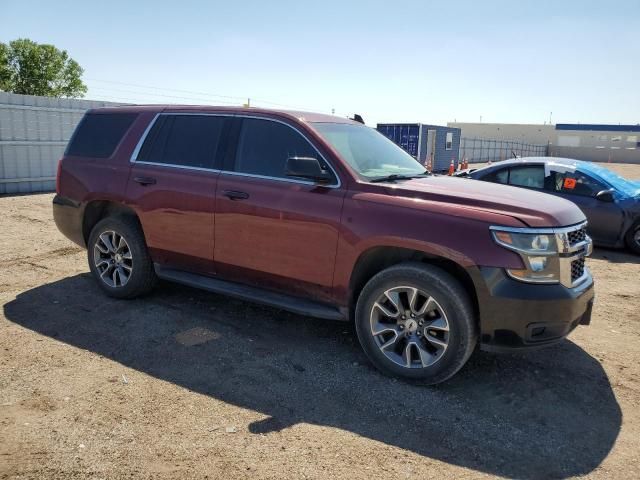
[136, 151]
[183, 167]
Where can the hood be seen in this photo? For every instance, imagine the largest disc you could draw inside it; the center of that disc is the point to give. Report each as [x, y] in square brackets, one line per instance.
[535, 209]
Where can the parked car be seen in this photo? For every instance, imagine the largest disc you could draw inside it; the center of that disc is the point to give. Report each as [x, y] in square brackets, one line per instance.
[324, 217]
[610, 202]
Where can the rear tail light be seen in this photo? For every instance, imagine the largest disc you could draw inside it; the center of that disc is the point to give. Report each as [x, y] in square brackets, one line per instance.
[58, 176]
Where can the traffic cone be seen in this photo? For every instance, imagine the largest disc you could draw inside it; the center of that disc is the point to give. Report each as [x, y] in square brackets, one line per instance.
[451, 168]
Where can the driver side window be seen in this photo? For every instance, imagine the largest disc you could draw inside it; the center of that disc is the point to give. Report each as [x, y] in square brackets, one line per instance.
[265, 145]
[577, 183]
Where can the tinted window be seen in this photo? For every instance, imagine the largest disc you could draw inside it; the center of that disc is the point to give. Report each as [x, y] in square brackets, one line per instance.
[265, 146]
[576, 183]
[98, 134]
[187, 140]
[498, 176]
[532, 177]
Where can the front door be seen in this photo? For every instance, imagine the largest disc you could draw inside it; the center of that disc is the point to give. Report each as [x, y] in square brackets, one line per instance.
[172, 186]
[605, 218]
[271, 230]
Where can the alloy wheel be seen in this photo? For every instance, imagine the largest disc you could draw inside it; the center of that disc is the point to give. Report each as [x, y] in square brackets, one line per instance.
[409, 327]
[112, 259]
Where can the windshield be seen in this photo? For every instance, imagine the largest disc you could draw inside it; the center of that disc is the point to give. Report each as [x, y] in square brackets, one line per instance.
[367, 151]
[627, 187]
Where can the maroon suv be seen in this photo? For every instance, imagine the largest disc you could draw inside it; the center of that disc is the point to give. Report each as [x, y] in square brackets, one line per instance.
[324, 217]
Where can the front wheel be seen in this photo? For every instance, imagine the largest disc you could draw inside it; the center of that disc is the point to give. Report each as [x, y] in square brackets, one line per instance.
[632, 238]
[417, 322]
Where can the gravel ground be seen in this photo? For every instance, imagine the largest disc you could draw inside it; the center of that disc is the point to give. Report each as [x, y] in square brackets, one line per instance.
[187, 384]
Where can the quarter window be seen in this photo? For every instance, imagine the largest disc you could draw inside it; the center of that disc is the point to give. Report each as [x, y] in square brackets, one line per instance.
[264, 147]
[185, 140]
[98, 134]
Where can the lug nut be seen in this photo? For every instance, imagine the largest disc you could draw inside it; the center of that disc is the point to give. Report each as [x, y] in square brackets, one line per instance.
[413, 315]
[401, 327]
[421, 322]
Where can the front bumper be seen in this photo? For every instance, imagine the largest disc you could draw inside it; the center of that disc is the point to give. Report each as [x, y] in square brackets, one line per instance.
[516, 316]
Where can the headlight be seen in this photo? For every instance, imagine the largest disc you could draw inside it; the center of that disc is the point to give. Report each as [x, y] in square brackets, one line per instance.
[539, 252]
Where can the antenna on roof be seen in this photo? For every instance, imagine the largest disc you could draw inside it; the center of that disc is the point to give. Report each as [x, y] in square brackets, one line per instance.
[357, 118]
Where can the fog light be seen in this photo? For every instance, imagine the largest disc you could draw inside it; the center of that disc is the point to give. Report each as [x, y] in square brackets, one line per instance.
[538, 264]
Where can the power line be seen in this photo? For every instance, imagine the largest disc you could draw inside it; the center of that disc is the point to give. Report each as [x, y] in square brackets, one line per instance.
[202, 96]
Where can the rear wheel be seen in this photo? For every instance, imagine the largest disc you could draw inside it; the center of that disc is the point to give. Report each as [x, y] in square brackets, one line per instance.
[416, 321]
[632, 238]
[118, 258]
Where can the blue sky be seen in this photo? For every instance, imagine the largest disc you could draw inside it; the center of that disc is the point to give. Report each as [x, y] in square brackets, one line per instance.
[431, 62]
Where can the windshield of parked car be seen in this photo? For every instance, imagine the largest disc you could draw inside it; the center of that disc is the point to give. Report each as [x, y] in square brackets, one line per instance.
[627, 187]
[368, 152]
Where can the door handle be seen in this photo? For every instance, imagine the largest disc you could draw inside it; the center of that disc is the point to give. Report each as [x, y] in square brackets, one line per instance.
[145, 180]
[235, 195]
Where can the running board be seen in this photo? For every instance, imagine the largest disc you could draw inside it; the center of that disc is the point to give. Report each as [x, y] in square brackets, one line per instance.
[252, 294]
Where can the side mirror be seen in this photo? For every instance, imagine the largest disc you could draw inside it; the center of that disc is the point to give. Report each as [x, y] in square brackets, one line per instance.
[605, 196]
[307, 167]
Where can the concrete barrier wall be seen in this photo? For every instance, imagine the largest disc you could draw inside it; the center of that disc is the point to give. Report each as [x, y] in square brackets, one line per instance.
[34, 132]
[597, 155]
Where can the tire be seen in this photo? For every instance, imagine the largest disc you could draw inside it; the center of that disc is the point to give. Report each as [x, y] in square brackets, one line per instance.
[448, 318]
[130, 258]
[632, 238]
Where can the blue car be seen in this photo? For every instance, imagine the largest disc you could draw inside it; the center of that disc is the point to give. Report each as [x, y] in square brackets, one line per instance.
[610, 202]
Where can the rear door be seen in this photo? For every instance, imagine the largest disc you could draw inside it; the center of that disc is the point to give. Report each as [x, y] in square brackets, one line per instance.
[271, 230]
[172, 186]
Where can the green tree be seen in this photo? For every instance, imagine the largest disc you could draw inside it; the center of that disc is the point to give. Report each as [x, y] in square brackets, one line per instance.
[38, 69]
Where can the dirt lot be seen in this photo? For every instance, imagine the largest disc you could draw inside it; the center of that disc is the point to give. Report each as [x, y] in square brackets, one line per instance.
[186, 384]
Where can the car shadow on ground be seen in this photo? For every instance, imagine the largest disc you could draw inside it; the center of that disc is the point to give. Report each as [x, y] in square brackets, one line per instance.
[615, 255]
[550, 413]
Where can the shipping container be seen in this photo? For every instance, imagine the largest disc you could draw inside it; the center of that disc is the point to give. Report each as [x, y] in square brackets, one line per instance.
[425, 143]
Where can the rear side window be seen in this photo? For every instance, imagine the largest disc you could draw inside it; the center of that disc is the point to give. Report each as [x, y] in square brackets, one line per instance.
[98, 134]
[184, 140]
[499, 176]
[265, 146]
[532, 177]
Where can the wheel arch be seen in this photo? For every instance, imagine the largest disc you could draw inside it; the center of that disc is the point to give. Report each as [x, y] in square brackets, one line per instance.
[377, 259]
[96, 210]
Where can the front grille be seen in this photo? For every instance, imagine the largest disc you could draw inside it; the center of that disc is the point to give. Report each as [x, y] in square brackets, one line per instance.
[577, 236]
[577, 269]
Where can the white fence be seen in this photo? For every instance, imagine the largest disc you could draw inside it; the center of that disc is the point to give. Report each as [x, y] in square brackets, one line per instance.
[33, 134]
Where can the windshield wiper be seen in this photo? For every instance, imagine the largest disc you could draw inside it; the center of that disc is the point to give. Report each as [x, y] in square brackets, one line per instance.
[395, 176]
